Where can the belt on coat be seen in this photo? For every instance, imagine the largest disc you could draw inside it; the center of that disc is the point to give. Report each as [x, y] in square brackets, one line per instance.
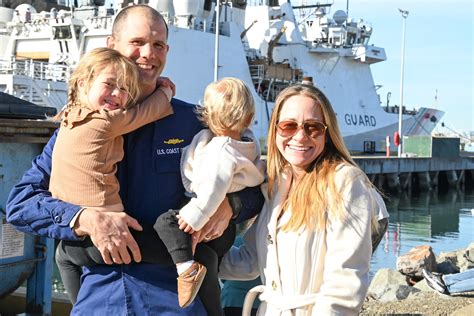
[275, 300]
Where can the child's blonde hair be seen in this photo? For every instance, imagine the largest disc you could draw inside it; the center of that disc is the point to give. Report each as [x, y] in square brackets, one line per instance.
[228, 106]
[97, 60]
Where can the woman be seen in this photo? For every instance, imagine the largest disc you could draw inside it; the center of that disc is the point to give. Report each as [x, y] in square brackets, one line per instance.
[311, 244]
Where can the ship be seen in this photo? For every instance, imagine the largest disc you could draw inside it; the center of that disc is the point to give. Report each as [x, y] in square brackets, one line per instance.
[269, 44]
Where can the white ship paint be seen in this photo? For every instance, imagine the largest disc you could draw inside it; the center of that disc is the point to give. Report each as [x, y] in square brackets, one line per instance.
[277, 50]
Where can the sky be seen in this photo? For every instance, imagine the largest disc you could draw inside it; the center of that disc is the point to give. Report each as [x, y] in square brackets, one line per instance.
[438, 53]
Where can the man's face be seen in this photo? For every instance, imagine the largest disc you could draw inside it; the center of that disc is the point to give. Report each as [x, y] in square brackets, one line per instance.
[143, 40]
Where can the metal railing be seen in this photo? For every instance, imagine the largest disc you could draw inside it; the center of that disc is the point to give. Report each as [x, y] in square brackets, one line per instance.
[257, 71]
[35, 70]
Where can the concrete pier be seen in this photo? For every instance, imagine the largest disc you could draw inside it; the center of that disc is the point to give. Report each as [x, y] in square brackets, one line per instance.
[412, 174]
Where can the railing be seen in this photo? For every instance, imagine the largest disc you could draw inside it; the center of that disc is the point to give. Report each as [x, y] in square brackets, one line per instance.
[35, 70]
[257, 71]
[257, 2]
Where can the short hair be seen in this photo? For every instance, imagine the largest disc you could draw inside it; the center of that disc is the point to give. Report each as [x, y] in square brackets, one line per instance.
[228, 105]
[122, 16]
[97, 60]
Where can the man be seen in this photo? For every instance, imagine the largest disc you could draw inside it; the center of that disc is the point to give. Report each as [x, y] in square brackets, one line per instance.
[150, 182]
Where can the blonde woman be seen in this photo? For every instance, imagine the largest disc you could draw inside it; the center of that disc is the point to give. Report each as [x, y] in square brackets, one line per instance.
[311, 244]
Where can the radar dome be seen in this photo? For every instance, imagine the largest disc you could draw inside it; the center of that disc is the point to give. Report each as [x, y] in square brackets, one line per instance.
[22, 8]
[339, 17]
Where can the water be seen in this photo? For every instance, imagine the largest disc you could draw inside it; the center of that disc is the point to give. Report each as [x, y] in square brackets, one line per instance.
[443, 221]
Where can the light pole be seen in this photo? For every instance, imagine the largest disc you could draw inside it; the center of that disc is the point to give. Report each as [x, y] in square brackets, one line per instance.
[216, 49]
[400, 109]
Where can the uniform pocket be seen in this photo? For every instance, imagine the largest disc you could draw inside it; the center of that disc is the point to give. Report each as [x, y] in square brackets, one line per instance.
[167, 164]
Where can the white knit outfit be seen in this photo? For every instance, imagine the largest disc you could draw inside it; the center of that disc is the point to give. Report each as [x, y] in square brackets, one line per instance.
[212, 166]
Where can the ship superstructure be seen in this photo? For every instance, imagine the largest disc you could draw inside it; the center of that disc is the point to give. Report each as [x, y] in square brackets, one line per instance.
[268, 44]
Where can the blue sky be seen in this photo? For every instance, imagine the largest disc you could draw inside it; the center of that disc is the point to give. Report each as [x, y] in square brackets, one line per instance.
[438, 53]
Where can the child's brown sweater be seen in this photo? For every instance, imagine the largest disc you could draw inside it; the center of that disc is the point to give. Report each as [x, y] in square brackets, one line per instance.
[88, 147]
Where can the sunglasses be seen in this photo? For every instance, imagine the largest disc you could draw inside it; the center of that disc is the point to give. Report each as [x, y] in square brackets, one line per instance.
[313, 129]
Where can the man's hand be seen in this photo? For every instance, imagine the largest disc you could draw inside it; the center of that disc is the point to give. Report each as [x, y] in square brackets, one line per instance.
[109, 231]
[216, 225]
[166, 82]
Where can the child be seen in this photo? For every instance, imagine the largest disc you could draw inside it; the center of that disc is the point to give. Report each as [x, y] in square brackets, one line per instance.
[102, 91]
[222, 159]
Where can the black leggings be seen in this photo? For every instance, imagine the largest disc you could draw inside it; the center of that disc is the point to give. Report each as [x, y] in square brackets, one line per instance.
[72, 255]
[178, 243]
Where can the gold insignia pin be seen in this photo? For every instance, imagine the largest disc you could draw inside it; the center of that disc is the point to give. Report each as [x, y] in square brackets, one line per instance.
[173, 141]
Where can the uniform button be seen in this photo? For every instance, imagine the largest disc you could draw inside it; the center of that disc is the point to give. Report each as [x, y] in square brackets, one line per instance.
[274, 285]
[269, 239]
[57, 219]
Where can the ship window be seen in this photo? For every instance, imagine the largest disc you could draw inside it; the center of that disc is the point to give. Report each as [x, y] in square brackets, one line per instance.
[62, 32]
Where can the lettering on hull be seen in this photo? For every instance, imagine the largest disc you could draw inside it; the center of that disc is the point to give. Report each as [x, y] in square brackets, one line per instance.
[360, 120]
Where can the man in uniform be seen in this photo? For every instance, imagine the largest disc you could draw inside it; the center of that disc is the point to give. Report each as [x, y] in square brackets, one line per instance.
[150, 183]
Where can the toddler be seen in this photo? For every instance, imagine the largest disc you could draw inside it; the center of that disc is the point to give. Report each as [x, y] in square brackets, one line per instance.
[221, 159]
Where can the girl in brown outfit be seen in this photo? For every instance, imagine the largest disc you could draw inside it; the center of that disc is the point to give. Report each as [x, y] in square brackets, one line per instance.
[103, 92]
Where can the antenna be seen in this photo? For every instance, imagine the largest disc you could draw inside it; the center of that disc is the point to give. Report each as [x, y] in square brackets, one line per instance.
[404, 13]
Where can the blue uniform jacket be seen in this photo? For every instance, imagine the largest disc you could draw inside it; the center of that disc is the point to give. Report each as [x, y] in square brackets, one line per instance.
[150, 181]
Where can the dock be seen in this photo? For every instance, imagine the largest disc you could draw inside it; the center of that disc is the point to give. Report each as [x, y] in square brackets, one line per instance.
[413, 174]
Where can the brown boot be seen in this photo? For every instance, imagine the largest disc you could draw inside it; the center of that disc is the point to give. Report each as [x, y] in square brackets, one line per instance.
[189, 283]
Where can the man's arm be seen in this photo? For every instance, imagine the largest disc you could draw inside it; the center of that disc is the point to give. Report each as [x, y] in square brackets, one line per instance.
[31, 209]
[30, 206]
[246, 204]
[238, 206]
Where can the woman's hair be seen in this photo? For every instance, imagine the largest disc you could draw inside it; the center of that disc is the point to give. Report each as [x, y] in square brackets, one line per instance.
[228, 106]
[95, 61]
[316, 192]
